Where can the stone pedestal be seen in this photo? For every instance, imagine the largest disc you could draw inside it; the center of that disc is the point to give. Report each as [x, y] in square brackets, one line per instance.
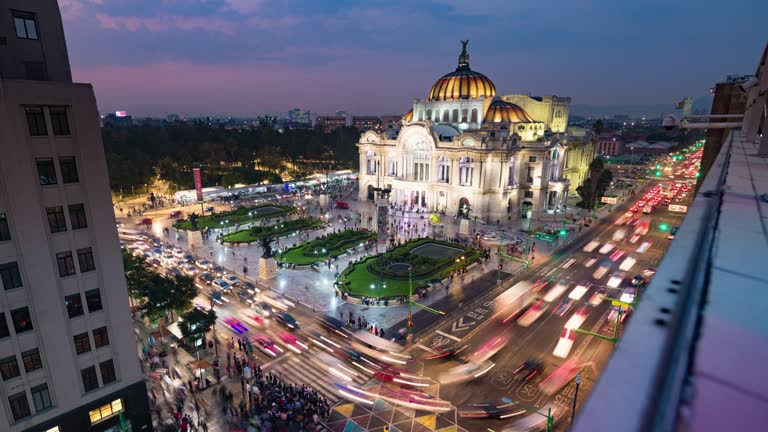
[195, 238]
[267, 268]
[464, 227]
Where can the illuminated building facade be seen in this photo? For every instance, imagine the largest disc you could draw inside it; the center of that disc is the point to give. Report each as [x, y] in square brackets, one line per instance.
[466, 151]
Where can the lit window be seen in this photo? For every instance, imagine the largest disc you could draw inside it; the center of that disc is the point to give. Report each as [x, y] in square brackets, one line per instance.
[104, 412]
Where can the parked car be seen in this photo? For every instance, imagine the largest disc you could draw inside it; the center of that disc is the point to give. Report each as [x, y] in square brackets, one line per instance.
[231, 279]
[206, 277]
[221, 284]
[249, 286]
[203, 264]
[217, 270]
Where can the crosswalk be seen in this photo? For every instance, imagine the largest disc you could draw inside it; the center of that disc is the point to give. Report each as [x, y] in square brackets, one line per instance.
[307, 368]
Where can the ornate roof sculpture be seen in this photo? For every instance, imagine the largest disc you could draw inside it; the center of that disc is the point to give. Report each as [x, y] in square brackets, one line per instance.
[463, 83]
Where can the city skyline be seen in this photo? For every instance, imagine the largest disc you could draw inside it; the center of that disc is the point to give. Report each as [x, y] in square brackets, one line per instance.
[242, 58]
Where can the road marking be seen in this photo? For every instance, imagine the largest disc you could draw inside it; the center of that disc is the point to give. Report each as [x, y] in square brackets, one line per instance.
[460, 325]
[449, 336]
[429, 350]
[285, 357]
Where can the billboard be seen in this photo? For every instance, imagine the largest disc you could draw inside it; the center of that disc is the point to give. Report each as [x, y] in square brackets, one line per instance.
[120, 113]
[198, 184]
[609, 200]
[678, 208]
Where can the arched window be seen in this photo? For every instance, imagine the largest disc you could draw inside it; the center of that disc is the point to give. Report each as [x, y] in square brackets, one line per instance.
[421, 115]
[474, 119]
[429, 114]
[464, 115]
[437, 115]
[455, 116]
[446, 119]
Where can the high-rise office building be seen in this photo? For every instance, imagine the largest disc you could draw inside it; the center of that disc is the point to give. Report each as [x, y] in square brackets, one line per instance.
[300, 116]
[68, 355]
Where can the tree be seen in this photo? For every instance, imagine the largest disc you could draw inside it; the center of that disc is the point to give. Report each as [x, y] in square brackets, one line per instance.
[137, 275]
[595, 184]
[196, 324]
[166, 295]
[193, 218]
[597, 126]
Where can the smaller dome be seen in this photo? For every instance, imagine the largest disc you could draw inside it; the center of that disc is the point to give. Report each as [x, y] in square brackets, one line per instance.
[408, 116]
[501, 111]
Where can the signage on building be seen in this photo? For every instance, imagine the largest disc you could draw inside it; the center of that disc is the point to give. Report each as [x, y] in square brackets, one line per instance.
[609, 200]
[198, 184]
[678, 208]
[120, 114]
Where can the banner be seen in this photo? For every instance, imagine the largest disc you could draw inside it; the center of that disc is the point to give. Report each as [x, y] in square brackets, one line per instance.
[198, 184]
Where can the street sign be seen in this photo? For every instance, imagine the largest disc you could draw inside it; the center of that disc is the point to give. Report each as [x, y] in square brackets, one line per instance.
[545, 237]
[609, 200]
[678, 208]
[620, 303]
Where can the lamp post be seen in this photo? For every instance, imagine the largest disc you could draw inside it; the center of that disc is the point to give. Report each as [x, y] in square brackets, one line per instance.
[575, 398]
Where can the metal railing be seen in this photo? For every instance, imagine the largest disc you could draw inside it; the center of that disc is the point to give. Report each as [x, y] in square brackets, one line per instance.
[650, 369]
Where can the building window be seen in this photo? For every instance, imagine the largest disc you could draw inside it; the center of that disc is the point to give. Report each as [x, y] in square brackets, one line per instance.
[74, 305]
[59, 121]
[531, 158]
[22, 321]
[529, 174]
[47, 172]
[85, 259]
[528, 194]
[36, 121]
[41, 397]
[100, 337]
[66, 263]
[4, 330]
[77, 216]
[68, 168]
[93, 300]
[106, 411]
[108, 374]
[19, 405]
[5, 230]
[9, 368]
[56, 220]
[26, 28]
[82, 343]
[9, 272]
[90, 381]
[31, 360]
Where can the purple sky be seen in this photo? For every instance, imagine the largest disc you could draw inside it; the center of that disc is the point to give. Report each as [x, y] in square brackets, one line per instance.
[246, 57]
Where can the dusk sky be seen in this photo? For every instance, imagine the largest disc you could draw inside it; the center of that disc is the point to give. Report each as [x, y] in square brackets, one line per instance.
[246, 57]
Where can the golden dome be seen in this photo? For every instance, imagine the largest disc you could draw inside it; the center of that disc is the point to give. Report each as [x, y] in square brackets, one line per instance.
[500, 111]
[408, 116]
[463, 83]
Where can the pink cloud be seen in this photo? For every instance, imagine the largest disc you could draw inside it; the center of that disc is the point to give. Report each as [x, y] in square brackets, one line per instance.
[165, 23]
[250, 88]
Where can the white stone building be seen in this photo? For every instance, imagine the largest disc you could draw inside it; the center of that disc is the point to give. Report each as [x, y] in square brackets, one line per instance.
[466, 151]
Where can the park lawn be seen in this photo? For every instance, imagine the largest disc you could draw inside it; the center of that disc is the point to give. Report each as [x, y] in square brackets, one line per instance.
[281, 229]
[236, 217]
[358, 279]
[334, 245]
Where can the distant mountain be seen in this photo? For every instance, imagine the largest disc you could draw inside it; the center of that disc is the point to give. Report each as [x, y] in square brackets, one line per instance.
[648, 111]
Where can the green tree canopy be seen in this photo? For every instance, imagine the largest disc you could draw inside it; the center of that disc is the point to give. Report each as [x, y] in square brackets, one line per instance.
[196, 324]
